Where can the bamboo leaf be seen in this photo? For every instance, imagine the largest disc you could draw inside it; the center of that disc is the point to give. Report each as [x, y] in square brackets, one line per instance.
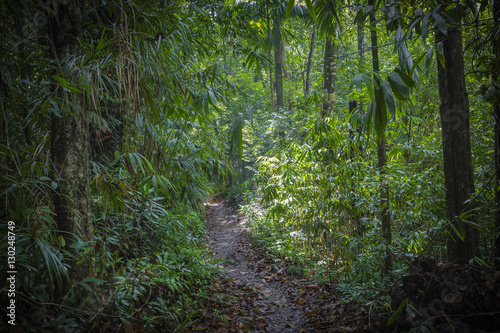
[289, 7]
[428, 59]
[397, 314]
[155, 185]
[425, 26]
[406, 78]
[440, 23]
[66, 85]
[440, 53]
[357, 82]
[369, 86]
[213, 100]
[398, 86]
[388, 98]
[311, 10]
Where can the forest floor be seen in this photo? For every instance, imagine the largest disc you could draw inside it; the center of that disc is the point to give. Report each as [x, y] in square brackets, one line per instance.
[259, 295]
[270, 305]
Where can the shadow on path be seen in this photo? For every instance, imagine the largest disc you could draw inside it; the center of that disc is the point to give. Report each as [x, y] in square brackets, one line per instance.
[272, 308]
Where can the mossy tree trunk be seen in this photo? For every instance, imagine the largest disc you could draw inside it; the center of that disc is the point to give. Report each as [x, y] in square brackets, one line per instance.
[381, 154]
[278, 63]
[70, 137]
[269, 56]
[457, 156]
[496, 115]
[329, 76]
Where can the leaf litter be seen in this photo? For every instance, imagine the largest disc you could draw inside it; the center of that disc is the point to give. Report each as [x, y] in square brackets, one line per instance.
[259, 295]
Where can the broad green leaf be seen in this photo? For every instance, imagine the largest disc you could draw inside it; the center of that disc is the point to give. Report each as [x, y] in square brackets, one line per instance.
[425, 26]
[66, 85]
[155, 185]
[406, 79]
[397, 314]
[369, 117]
[440, 23]
[289, 7]
[416, 64]
[440, 53]
[133, 162]
[460, 234]
[428, 59]
[55, 108]
[440, 47]
[399, 88]
[389, 100]
[213, 100]
[311, 10]
[250, 59]
[357, 82]
[369, 86]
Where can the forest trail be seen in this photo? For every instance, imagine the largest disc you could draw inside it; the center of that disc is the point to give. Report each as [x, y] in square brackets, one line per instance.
[269, 300]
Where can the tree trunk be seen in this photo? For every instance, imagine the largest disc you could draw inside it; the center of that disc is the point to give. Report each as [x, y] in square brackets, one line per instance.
[381, 155]
[273, 108]
[269, 56]
[278, 63]
[70, 140]
[457, 157]
[361, 44]
[496, 115]
[329, 76]
[361, 53]
[309, 60]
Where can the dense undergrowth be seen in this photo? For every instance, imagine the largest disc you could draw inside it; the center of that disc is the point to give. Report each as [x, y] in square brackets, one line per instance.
[168, 103]
[315, 205]
[325, 222]
[151, 269]
[148, 154]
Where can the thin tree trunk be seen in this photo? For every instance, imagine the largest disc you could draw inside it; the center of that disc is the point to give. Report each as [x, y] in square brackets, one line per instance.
[278, 63]
[361, 53]
[352, 106]
[273, 107]
[286, 75]
[496, 115]
[70, 141]
[329, 76]
[309, 60]
[457, 156]
[381, 155]
[361, 44]
[269, 56]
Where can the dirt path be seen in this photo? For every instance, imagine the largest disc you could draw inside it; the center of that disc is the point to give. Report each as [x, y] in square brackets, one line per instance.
[266, 302]
[261, 297]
